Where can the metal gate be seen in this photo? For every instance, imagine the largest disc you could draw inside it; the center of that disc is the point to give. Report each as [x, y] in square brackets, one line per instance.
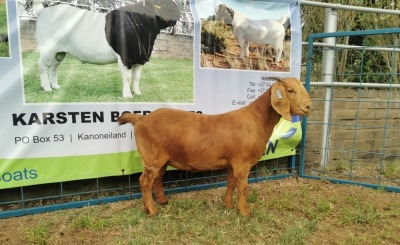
[353, 134]
[74, 194]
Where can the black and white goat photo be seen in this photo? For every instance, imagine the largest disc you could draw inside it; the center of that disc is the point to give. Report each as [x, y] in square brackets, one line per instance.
[124, 36]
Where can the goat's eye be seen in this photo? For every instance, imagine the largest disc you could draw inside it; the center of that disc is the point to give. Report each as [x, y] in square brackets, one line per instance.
[290, 90]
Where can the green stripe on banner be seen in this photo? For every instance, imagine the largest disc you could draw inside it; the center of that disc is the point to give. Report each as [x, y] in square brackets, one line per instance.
[34, 171]
[284, 139]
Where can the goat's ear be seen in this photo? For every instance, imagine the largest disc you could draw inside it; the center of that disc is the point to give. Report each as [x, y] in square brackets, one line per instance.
[280, 101]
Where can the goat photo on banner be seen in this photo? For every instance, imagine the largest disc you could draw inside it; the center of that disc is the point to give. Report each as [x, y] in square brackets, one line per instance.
[81, 54]
[252, 35]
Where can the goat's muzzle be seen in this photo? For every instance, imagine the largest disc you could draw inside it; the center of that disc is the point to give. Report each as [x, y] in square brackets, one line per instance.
[172, 30]
[306, 110]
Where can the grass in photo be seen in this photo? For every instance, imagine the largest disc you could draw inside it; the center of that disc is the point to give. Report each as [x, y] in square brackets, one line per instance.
[162, 80]
[4, 48]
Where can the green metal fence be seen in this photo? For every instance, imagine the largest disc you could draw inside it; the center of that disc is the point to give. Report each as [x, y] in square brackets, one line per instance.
[74, 194]
[353, 134]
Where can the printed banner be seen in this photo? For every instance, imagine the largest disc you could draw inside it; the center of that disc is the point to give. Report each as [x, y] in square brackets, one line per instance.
[69, 69]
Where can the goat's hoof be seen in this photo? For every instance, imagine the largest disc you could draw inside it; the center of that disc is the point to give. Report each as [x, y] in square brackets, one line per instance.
[245, 213]
[137, 92]
[151, 210]
[151, 213]
[47, 89]
[55, 86]
[127, 96]
[229, 205]
[162, 201]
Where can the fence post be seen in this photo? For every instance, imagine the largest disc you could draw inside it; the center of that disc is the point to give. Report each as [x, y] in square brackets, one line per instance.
[328, 66]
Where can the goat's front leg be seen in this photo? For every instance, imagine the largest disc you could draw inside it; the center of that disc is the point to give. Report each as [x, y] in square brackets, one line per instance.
[228, 200]
[247, 45]
[158, 187]
[241, 172]
[53, 70]
[44, 74]
[136, 74]
[278, 54]
[126, 79]
[146, 182]
[242, 44]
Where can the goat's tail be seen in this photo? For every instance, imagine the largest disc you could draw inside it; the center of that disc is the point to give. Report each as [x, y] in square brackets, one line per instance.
[37, 6]
[129, 118]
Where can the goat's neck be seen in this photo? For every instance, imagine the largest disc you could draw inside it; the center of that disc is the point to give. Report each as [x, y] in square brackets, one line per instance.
[263, 113]
[237, 18]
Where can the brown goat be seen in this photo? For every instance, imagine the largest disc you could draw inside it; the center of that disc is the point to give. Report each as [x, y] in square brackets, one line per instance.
[234, 140]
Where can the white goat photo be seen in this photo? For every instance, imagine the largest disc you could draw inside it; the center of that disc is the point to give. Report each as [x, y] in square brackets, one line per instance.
[261, 32]
[241, 33]
[125, 35]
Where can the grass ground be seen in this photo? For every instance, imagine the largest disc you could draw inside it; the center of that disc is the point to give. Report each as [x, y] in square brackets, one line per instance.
[162, 80]
[4, 49]
[290, 211]
[372, 171]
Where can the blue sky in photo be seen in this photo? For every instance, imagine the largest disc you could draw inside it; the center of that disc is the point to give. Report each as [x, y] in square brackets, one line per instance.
[251, 9]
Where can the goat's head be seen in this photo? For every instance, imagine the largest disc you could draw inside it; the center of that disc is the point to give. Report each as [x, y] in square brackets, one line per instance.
[169, 25]
[167, 12]
[224, 14]
[289, 97]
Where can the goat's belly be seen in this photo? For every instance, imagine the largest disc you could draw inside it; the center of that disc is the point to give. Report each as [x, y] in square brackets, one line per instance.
[221, 164]
[94, 57]
[92, 47]
[262, 35]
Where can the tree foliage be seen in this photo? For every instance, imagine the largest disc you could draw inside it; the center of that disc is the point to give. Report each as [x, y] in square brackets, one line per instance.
[353, 65]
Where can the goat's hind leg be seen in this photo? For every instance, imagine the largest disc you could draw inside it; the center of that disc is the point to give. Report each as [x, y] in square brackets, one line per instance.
[228, 199]
[136, 74]
[241, 173]
[53, 70]
[158, 187]
[44, 63]
[146, 182]
[126, 79]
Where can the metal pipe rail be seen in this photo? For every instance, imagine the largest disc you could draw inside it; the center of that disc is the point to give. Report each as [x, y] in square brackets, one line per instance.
[362, 85]
[353, 8]
[343, 46]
